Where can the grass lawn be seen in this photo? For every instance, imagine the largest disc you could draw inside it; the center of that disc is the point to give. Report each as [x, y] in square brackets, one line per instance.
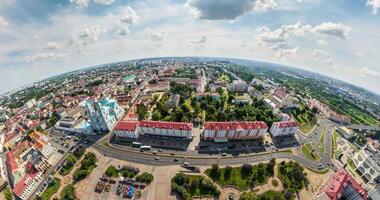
[51, 189]
[351, 164]
[333, 144]
[307, 149]
[188, 104]
[240, 179]
[306, 127]
[323, 135]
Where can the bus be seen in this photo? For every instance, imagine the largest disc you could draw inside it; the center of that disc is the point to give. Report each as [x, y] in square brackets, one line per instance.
[145, 148]
[136, 144]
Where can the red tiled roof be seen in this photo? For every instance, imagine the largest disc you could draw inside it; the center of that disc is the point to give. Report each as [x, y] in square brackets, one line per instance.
[126, 125]
[234, 125]
[167, 125]
[338, 182]
[280, 94]
[11, 161]
[286, 124]
[21, 185]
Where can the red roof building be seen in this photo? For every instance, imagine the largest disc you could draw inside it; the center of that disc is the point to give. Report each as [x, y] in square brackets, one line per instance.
[126, 125]
[284, 128]
[224, 131]
[167, 129]
[342, 186]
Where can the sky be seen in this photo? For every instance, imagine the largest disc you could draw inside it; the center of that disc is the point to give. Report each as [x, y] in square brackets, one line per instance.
[41, 38]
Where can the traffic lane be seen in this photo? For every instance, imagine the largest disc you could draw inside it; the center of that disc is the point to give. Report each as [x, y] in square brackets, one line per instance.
[199, 160]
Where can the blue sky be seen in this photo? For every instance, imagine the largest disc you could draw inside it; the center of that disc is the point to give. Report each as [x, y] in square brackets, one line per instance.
[41, 38]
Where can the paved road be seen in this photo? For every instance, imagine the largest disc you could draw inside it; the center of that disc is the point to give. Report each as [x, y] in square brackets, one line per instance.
[197, 160]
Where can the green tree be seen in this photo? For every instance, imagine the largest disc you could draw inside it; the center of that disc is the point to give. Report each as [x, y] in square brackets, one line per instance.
[68, 193]
[111, 171]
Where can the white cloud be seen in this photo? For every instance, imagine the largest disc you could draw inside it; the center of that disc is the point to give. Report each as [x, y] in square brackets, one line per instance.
[130, 16]
[40, 57]
[336, 29]
[104, 2]
[80, 3]
[375, 5]
[201, 40]
[154, 35]
[322, 43]
[3, 24]
[123, 30]
[52, 45]
[87, 36]
[368, 72]
[283, 53]
[227, 9]
[322, 57]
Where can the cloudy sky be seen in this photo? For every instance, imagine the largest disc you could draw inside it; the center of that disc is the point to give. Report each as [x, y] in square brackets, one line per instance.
[40, 38]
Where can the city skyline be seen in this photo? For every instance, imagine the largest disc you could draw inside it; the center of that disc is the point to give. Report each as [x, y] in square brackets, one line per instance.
[46, 38]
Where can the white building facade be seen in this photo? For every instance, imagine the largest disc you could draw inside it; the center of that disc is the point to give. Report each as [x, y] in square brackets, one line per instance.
[166, 129]
[285, 128]
[367, 162]
[224, 131]
[103, 114]
[126, 129]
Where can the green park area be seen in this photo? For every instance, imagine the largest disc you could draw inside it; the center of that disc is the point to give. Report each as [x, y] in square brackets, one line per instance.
[334, 144]
[242, 177]
[88, 163]
[268, 195]
[51, 189]
[308, 151]
[292, 176]
[305, 117]
[209, 108]
[189, 186]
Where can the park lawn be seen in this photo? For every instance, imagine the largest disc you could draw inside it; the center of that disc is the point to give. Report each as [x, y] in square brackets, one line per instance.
[188, 104]
[51, 189]
[323, 135]
[237, 179]
[333, 144]
[224, 77]
[306, 127]
[306, 150]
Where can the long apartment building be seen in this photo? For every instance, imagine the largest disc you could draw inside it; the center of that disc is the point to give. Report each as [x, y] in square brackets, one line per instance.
[133, 129]
[285, 128]
[224, 131]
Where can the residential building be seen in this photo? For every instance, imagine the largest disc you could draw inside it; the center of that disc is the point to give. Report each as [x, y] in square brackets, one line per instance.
[367, 162]
[41, 143]
[30, 104]
[126, 129]
[242, 99]
[225, 131]
[213, 95]
[327, 112]
[173, 101]
[341, 186]
[103, 114]
[238, 86]
[281, 99]
[166, 129]
[284, 128]
[346, 132]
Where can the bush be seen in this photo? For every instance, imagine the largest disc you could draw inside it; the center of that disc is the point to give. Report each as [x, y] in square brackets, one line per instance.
[111, 171]
[80, 174]
[68, 193]
[8, 193]
[145, 177]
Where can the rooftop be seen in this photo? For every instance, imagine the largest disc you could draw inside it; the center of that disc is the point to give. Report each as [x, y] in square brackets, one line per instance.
[234, 125]
[167, 125]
